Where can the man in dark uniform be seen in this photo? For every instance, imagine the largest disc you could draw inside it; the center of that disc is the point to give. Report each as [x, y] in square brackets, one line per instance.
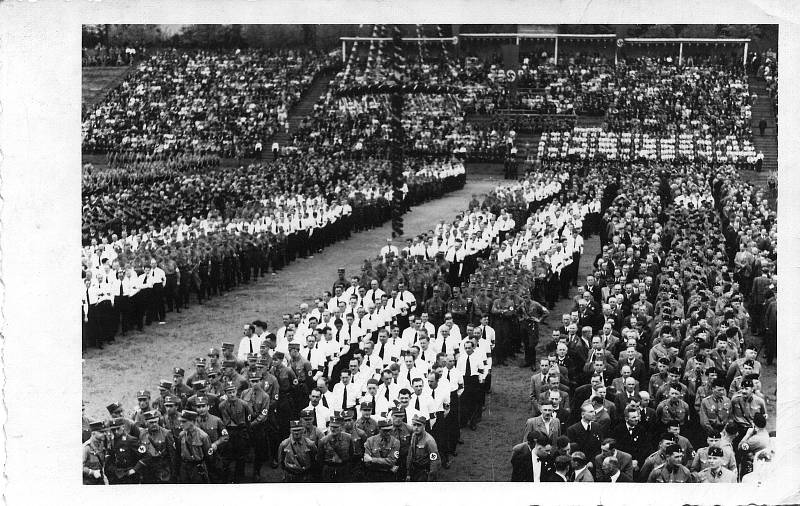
[436, 307]
[296, 455]
[423, 454]
[532, 314]
[259, 403]
[94, 455]
[179, 388]
[217, 435]
[359, 440]
[284, 406]
[381, 454]
[402, 432]
[236, 415]
[671, 471]
[366, 422]
[157, 461]
[335, 453]
[123, 457]
[503, 311]
[193, 449]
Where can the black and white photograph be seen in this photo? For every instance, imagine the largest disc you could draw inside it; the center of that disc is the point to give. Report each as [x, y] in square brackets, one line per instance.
[337, 253]
[330, 252]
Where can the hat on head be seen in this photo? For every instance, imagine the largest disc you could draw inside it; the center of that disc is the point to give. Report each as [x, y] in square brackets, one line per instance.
[715, 451]
[213, 352]
[383, 423]
[294, 345]
[230, 386]
[188, 415]
[366, 405]
[177, 371]
[227, 346]
[398, 411]
[152, 415]
[252, 356]
[747, 382]
[199, 384]
[117, 423]
[143, 394]
[307, 413]
[200, 361]
[419, 419]
[296, 424]
[201, 401]
[229, 363]
[336, 420]
[114, 407]
[663, 360]
[170, 399]
[672, 448]
[348, 414]
[254, 376]
[165, 385]
[97, 426]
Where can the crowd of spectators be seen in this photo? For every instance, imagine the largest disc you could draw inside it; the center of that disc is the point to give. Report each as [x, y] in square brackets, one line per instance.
[596, 143]
[212, 102]
[111, 56]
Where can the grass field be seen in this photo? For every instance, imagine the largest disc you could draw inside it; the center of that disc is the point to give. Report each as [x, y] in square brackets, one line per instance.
[139, 360]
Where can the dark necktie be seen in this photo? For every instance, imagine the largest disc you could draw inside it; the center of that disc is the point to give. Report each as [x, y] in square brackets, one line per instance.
[380, 353]
[433, 393]
[309, 354]
[444, 344]
[344, 398]
[324, 401]
[468, 369]
[416, 404]
[387, 393]
[250, 340]
[448, 375]
[409, 376]
[373, 402]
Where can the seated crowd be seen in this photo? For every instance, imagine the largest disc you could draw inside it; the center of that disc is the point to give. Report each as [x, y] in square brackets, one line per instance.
[111, 56]
[218, 102]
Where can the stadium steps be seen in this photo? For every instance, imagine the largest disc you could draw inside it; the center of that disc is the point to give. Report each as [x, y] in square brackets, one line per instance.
[527, 146]
[768, 143]
[300, 110]
[481, 170]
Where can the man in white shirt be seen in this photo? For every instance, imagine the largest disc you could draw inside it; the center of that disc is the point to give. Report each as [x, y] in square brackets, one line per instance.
[406, 297]
[389, 248]
[250, 343]
[346, 393]
[388, 389]
[322, 413]
[471, 364]
[409, 372]
[374, 293]
[157, 280]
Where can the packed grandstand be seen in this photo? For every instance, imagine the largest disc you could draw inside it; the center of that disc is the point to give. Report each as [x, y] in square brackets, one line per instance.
[201, 177]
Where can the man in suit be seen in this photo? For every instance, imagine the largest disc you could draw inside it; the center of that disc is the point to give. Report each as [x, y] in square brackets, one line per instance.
[562, 468]
[585, 434]
[536, 450]
[611, 471]
[545, 423]
[628, 393]
[632, 438]
[581, 471]
[608, 448]
[539, 384]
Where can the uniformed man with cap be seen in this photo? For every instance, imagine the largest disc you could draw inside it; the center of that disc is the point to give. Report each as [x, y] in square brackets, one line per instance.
[230, 375]
[715, 472]
[671, 471]
[335, 452]
[116, 411]
[423, 454]
[179, 388]
[157, 452]
[143, 398]
[402, 432]
[170, 420]
[94, 455]
[236, 415]
[120, 465]
[200, 373]
[217, 435]
[164, 388]
[259, 403]
[201, 390]
[193, 450]
[381, 454]
[359, 440]
[297, 455]
[366, 422]
[287, 382]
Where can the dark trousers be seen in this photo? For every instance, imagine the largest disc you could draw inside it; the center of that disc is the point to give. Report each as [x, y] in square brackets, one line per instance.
[155, 306]
[125, 306]
[171, 293]
[235, 454]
